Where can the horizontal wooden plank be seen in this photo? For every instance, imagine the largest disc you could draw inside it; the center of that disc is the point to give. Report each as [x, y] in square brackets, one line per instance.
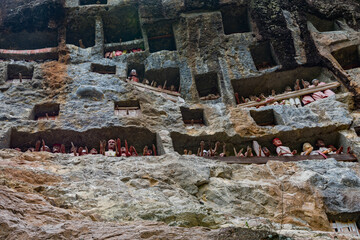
[127, 108]
[154, 88]
[292, 94]
[161, 37]
[263, 160]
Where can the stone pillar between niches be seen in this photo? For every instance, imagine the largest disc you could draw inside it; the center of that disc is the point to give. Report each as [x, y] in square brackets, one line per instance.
[144, 33]
[346, 140]
[3, 72]
[164, 142]
[99, 37]
[5, 137]
[62, 50]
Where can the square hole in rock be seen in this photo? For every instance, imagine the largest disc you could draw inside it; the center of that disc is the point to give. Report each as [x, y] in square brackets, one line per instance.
[235, 19]
[348, 57]
[121, 24]
[193, 116]
[165, 77]
[139, 67]
[15, 72]
[323, 25]
[265, 117]
[130, 108]
[207, 84]
[91, 2]
[46, 111]
[161, 37]
[103, 69]
[262, 55]
[80, 31]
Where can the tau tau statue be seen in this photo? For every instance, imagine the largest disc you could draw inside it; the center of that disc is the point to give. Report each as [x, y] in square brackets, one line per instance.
[308, 150]
[133, 76]
[282, 150]
[111, 148]
[328, 92]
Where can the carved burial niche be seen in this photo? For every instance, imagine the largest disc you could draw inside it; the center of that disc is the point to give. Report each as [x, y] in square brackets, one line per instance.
[348, 57]
[346, 223]
[263, 56]
[91, 2]
[348, 227]
[137, 137]
[46, 111]
[254, 86]
[193, 116]
[29, 40]
[235, 19]
[17, 73]
[323, 25]
[292, 139]
[130, 108]
[139, 67]
[357, 130]
[265, 117]
[80, 31]
[103, 69]
[164, 77]
[121, 24]
[207, 84]
[160, 37]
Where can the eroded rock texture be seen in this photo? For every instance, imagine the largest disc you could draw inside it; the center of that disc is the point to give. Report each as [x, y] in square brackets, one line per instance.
[71, 92]
[47, 195]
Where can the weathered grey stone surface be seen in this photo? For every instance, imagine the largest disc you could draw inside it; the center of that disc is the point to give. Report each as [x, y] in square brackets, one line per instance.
[179, 190]
[174, 196]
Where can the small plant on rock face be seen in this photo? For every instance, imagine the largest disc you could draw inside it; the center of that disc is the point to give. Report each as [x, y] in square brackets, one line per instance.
[247, 225]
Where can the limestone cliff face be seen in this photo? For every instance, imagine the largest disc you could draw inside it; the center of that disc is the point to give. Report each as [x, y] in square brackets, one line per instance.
[220, 48]
[47, 195]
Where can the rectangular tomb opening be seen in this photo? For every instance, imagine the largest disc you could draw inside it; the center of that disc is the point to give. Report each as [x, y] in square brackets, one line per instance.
[165, 77]
[254, 86]
[235, 19]
[292, 139]
[322, 24]
[130, 108]
[207, 85]
[91, 2]
[103, 69]
[193, 116]
[265, 117]
[137, 137]
[121, 24]
[29, 40]
[46, 111]
[348, 227]
[345, 223]
[80, 31]
[348, 57]
[263, 56]
[16, 71]
[357, 130]
[160, 37]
